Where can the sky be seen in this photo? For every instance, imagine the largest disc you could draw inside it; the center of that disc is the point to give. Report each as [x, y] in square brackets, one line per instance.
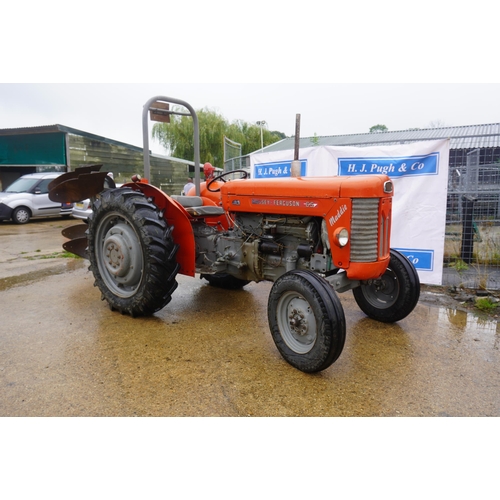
[93, 68]
[114, 110]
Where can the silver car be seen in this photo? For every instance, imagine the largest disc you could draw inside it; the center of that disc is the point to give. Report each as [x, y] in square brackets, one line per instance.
[82, 209]
[28, 197]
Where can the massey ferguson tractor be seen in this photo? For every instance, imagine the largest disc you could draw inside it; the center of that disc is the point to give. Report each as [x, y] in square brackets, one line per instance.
[311, 237]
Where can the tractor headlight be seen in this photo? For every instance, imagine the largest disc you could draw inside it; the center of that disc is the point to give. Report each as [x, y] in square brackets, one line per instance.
[388, 187]
[341, 237]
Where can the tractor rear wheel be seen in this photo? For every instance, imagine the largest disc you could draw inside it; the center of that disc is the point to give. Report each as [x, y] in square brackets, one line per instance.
[394, 296]
[306, 320]
[131, 253]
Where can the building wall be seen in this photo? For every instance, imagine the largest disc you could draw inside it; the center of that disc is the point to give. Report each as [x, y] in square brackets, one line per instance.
[33, 149]
[28, 153]
[125, 161]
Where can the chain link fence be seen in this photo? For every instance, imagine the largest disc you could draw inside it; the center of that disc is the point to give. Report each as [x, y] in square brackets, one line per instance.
[472, 241]
[232, 155]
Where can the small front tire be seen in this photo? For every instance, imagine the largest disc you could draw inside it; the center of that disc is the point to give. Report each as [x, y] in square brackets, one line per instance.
[306, 320]
[394, 296]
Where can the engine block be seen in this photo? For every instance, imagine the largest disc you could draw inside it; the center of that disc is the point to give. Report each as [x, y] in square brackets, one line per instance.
[258, 247]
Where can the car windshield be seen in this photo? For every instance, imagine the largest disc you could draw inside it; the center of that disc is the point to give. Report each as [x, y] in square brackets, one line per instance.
[21, 185]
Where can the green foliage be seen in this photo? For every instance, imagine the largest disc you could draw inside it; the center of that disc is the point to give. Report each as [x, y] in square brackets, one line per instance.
[460, 265]
[315, 139]
[378, 128]
[177, 136]
[54, 255]
[486, 304]
[281, 135]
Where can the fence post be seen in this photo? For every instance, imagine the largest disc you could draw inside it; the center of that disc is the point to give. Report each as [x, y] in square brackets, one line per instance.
[467, 229]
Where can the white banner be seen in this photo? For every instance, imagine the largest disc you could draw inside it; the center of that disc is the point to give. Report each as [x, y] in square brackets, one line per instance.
[419, 172]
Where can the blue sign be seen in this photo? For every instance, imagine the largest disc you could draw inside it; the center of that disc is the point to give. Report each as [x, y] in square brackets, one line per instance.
[393, 167]
[277, 169]
[423, 260]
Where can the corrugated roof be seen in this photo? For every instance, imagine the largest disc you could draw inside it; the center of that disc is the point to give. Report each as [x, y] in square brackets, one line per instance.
[45, 129]
[463, 137]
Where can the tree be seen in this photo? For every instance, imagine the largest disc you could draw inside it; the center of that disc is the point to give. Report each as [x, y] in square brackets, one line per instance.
[437, 124]
[281, 135]
[378, 128]
[315, 139]
[177, 136]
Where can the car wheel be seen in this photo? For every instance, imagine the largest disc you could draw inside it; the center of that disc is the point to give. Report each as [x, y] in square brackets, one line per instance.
[21, 215]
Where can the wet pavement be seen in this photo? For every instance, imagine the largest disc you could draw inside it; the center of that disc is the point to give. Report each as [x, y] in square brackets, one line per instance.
[210, 353]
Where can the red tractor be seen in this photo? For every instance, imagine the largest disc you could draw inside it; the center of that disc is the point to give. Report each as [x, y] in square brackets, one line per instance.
[311, 237]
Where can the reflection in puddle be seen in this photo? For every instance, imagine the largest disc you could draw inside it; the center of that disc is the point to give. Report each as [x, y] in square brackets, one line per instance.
[472, 327]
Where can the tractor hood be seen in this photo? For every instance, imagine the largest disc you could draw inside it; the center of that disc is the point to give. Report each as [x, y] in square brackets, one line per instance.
[300, 195]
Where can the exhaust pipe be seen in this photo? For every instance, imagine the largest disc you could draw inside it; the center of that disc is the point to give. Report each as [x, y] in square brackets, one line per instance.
[296, 162]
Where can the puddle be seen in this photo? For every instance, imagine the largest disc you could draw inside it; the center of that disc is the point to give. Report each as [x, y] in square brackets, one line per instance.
[471, 327]
[33, 276]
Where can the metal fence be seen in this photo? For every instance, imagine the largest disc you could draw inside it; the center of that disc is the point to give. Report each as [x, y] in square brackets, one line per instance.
[232, 155]
[237, 163]
[472, 242]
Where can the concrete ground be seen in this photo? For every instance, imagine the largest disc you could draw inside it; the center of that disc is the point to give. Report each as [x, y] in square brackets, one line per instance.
[210, 352]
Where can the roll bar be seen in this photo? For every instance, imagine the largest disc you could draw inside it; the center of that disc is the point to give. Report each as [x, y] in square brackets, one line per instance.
[145, 133]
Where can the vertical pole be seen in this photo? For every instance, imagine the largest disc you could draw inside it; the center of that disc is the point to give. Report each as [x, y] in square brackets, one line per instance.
[196, 151]
[67, 152]
[297, 137]
[467, 249]
[296, 170]
[145, 139]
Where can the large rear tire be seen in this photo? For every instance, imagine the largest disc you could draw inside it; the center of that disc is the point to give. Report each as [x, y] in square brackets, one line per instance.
[131, 253]
[394, 296]
[306, 320]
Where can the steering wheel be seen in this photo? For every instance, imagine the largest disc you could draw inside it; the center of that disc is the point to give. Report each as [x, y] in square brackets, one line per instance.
[221, 177]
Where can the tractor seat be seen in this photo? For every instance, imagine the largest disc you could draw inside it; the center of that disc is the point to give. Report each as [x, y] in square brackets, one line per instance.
[194, 206]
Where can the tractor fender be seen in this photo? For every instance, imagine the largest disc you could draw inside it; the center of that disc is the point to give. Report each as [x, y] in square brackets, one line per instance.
[177, 218]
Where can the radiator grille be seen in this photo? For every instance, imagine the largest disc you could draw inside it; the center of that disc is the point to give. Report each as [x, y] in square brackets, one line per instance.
[364, 230]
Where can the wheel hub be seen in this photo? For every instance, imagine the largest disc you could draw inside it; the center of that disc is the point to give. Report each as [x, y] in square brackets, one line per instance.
[115, 252]
[382, 293]
[298, 322]
[121, 254]
[22, 215]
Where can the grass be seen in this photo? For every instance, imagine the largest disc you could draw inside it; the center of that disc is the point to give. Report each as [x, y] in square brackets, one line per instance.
[459, 265]
[55, 255]
[485, 304]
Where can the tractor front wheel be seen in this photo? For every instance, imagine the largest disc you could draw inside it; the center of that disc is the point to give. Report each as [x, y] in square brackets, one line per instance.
[393, 296]
[131, 253]
[306, 320]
